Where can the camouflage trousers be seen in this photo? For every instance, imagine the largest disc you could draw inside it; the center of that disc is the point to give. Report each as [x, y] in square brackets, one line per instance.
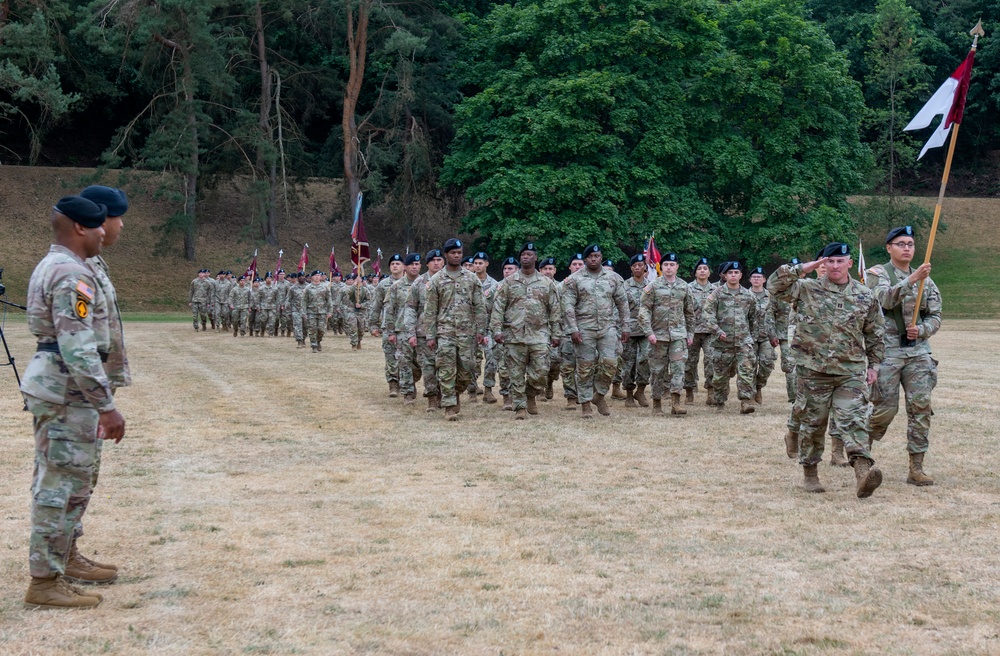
[391, 361]
[729, 359]
[218, 315]
[788, 367]
[316, 321]
[818, 394]
[239, 318]
[528, 366]
[918, 376]
[764, 356]
[617, 379]
[596, 360]
[285, 321]
[666, 366]
[487, 363]
[635, 362]
[202, 311]
[267, 319]
[456, 362]
[702, 343]
[428, 367]
[567, 367]
[355, 324]
[297, 326]
[555, 363]
[65, 460]
[408, 364]
[500, 359]
[252, 320]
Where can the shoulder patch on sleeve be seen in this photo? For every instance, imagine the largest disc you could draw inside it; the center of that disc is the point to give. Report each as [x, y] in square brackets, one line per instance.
[877, 270]
[85, 290]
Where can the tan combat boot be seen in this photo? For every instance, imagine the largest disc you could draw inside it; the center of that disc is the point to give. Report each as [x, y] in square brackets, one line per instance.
[837, 457]
[409, 398]
[917, 475]
[508, 402]
[657, 407]
[758, 396]
[548, 391]
[488, 396]
[586, 412]
[747, 408]
[640, 395]
[630, 399]
[81, 570]
[689, 397]
[433, 403]
[91, 560]
[570, 403]
[602, 404]
[393, 389]
[532, 405]
[869, 477]
[719, 407]
[812, 479]
[616, 391]
[521, 414]
[675, 405]
[791, 443]
[451, 413]
[56, 593]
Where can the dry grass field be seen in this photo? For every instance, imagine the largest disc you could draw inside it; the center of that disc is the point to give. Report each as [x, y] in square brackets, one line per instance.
[267, 500]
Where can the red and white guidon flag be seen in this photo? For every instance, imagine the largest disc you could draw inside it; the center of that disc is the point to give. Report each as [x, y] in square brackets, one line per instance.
[949, 101]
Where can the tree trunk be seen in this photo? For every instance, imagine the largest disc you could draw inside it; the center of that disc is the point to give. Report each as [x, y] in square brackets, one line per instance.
[266, 205]
[357, 50]
[191, 186]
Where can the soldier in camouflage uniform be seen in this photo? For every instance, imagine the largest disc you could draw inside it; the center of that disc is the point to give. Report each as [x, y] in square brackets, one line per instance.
[526, 319]
[666, 319]
[547, 267]
[766, 336]
[837, 343]
[293, 304]
[907, 361]
[200, 300]
[70, 397]
[267, 313]
[567, 351]
[408, 365]
[508, 268]
[454, 322]
[355, 298]
[730, 312]
[634, 364]
[413, 323]
[219, 288]
[700, 288]
[253, 322]
[239, 307]
[377, 320]
[589, 299]
[282, 315]
[781, 316]
[316, 305]
[484, 353]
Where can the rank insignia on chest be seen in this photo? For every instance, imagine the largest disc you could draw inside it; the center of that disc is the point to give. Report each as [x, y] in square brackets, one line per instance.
[840, 306]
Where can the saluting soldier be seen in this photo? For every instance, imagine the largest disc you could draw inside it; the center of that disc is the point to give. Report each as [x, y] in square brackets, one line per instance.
[200, 299]
[731, 314]
[69, 395]
[908, 360]
[416, 337]
[377, 320]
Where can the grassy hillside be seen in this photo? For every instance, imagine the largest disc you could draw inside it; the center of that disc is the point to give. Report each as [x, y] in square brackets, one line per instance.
[965, 255]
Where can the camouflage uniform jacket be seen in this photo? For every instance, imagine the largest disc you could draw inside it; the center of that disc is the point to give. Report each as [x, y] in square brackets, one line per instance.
[202, 291]
[281, 294]
[781, 316]
[891, 296]
[316, 299]
[268, 297]
[377, 316]
[455, 305]
[589, 302]
[239, 297]
[255, 298]
[416, 302]
[395, 304]
[490, 286]
[223, 289]
[335, 290]
[354, 294]
[839, 328]
[116, 366]
[733, 312]
[765, 317]
[526, 309]
[62, 295]
[667, 310]
[698, 294]
[634, 291]
[293, 297]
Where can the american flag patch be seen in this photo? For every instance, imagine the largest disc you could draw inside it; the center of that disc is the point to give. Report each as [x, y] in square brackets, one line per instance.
[83, 289]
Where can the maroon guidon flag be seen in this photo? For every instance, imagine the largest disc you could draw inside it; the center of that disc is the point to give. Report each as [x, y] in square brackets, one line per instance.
[304, 259]
[360, 252]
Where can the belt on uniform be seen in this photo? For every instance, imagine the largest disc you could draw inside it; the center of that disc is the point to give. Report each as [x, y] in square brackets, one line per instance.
[53, 347]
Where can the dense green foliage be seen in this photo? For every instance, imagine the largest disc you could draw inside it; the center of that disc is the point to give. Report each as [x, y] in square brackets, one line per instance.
[725, 128]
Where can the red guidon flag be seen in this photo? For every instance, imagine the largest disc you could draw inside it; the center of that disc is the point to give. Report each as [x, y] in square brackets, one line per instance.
[304, 259]
[653, 259]
[334, 269]
[252, 269]
[947, 101]
[360, 252]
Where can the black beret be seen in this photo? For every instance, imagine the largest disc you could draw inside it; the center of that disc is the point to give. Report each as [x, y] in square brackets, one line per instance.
[759, 270]
[577, 256]
[727, 266]
[431, 254]
[530, 246]
[511, 260]
[451, 245]
[317, 272]
[412, 258]
[593, 248]
[901, 231]
[549, 261]
[396, 258]
[794, 261]
[669, 257]
[80, 210]
[352, 276]
[637, 258]
[481, 256]
[114, 199]
[221, 273]
[468, 260]
[702, 260]
[280, 271]
[228, 272]
[608, 263]
[268, 275]
[257, 279]
[836, 249]
[241, 278]
[202, 270]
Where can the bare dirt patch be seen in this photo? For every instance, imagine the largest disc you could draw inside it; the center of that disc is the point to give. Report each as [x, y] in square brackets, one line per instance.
[268, 500]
